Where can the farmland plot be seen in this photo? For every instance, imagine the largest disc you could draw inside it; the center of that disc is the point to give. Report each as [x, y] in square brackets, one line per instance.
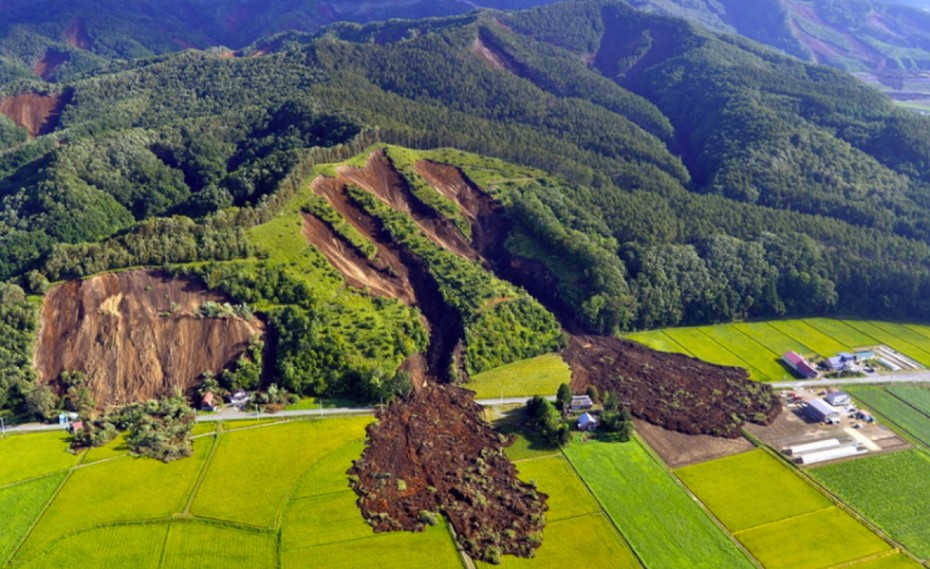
[705, 348]
[576, 526]
[201, 546]
[656, 515]
[121, 490]
[896, 411]
[277, 456]
[780, 518]
[896, 336]
[889, 489]
[19, 506]
[659, 340]
[749, 350]
[821, 343]
[774, 340]
[842, 332]
[916, 397]
[130, 546]
[28, 456]
[541, 375]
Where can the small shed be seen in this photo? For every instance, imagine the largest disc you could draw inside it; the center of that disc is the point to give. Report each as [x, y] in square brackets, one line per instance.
[581, 402]
[837, 398]
[587, 422]
[208, 402]
[75, 427]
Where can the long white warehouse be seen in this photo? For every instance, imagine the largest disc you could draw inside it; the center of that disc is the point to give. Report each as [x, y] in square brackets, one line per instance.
[831, 454]
[811, 447]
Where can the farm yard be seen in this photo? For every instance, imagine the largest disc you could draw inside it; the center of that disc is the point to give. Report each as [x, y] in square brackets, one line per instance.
[758, 346]
[784, 522]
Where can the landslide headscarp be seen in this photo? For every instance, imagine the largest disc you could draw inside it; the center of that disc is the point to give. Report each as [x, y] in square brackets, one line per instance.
[36, 112]
[135, 335]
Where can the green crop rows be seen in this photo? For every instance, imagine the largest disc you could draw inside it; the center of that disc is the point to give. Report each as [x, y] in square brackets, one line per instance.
[896, 411]
[891, 490]
[659, 519]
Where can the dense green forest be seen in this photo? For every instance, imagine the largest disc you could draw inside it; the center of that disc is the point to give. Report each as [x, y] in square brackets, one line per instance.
[795, 189]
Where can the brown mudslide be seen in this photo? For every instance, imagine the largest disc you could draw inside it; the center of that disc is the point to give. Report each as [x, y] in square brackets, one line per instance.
[109, 328]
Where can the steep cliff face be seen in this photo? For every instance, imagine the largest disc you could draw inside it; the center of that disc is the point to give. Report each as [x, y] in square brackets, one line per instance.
[135, 335]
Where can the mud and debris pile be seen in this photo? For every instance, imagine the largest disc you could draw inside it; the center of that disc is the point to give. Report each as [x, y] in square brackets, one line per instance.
[674, 391]
[434, 454]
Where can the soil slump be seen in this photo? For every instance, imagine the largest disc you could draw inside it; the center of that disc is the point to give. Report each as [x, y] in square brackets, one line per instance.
[49, 64]
[135, 336]
[35, 112]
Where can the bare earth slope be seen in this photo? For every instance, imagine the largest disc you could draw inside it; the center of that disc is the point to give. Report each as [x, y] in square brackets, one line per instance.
[109, 328]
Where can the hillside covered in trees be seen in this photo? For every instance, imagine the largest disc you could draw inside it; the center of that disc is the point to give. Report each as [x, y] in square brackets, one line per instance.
[796, 189]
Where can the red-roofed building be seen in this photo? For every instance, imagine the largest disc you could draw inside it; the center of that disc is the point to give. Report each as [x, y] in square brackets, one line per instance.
[208, 402]
[799, 364]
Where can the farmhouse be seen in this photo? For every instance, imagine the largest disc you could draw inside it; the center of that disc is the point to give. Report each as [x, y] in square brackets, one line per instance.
[587, 422]
[799, 364]
[837, 398]
[835, 364]
[581, 402]
[208, 402]
[821, 411]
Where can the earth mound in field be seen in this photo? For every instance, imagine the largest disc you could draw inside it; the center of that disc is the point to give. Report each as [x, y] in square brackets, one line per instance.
[435, 453]
[136, 335]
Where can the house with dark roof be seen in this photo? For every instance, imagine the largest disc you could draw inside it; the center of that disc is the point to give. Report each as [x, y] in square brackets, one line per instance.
[581, 402]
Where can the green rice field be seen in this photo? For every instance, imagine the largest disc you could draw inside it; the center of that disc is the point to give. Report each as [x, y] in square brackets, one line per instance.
[891, 490]
[663, 524]
[541, 375]
[784, 521]
[758, 346]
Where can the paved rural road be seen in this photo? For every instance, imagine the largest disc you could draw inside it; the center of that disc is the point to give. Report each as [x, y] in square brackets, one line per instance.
[903, 377]
[233, 414]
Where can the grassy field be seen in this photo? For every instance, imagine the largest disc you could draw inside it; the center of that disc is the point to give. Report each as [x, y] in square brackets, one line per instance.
[889, 489]
[895, 411]
[541, 375]
[19, 506]
[892, 561]
[915, 396]
[659, 519]
[34, 455]
[758, 346]
[576, 526]
[784, 521]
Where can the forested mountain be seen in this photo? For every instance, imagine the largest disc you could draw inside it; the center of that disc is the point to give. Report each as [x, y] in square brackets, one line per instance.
[889, 39]
[680, 176]
[56, 40]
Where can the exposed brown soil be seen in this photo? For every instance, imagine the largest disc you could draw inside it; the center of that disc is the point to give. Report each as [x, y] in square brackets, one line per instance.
[109, 328]
[381, 179]
[357, 269]
[489, 56]
[673, 391]
[51, 61]
[678, 449]
[434, 453]
[35, 112]
[76, 35]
